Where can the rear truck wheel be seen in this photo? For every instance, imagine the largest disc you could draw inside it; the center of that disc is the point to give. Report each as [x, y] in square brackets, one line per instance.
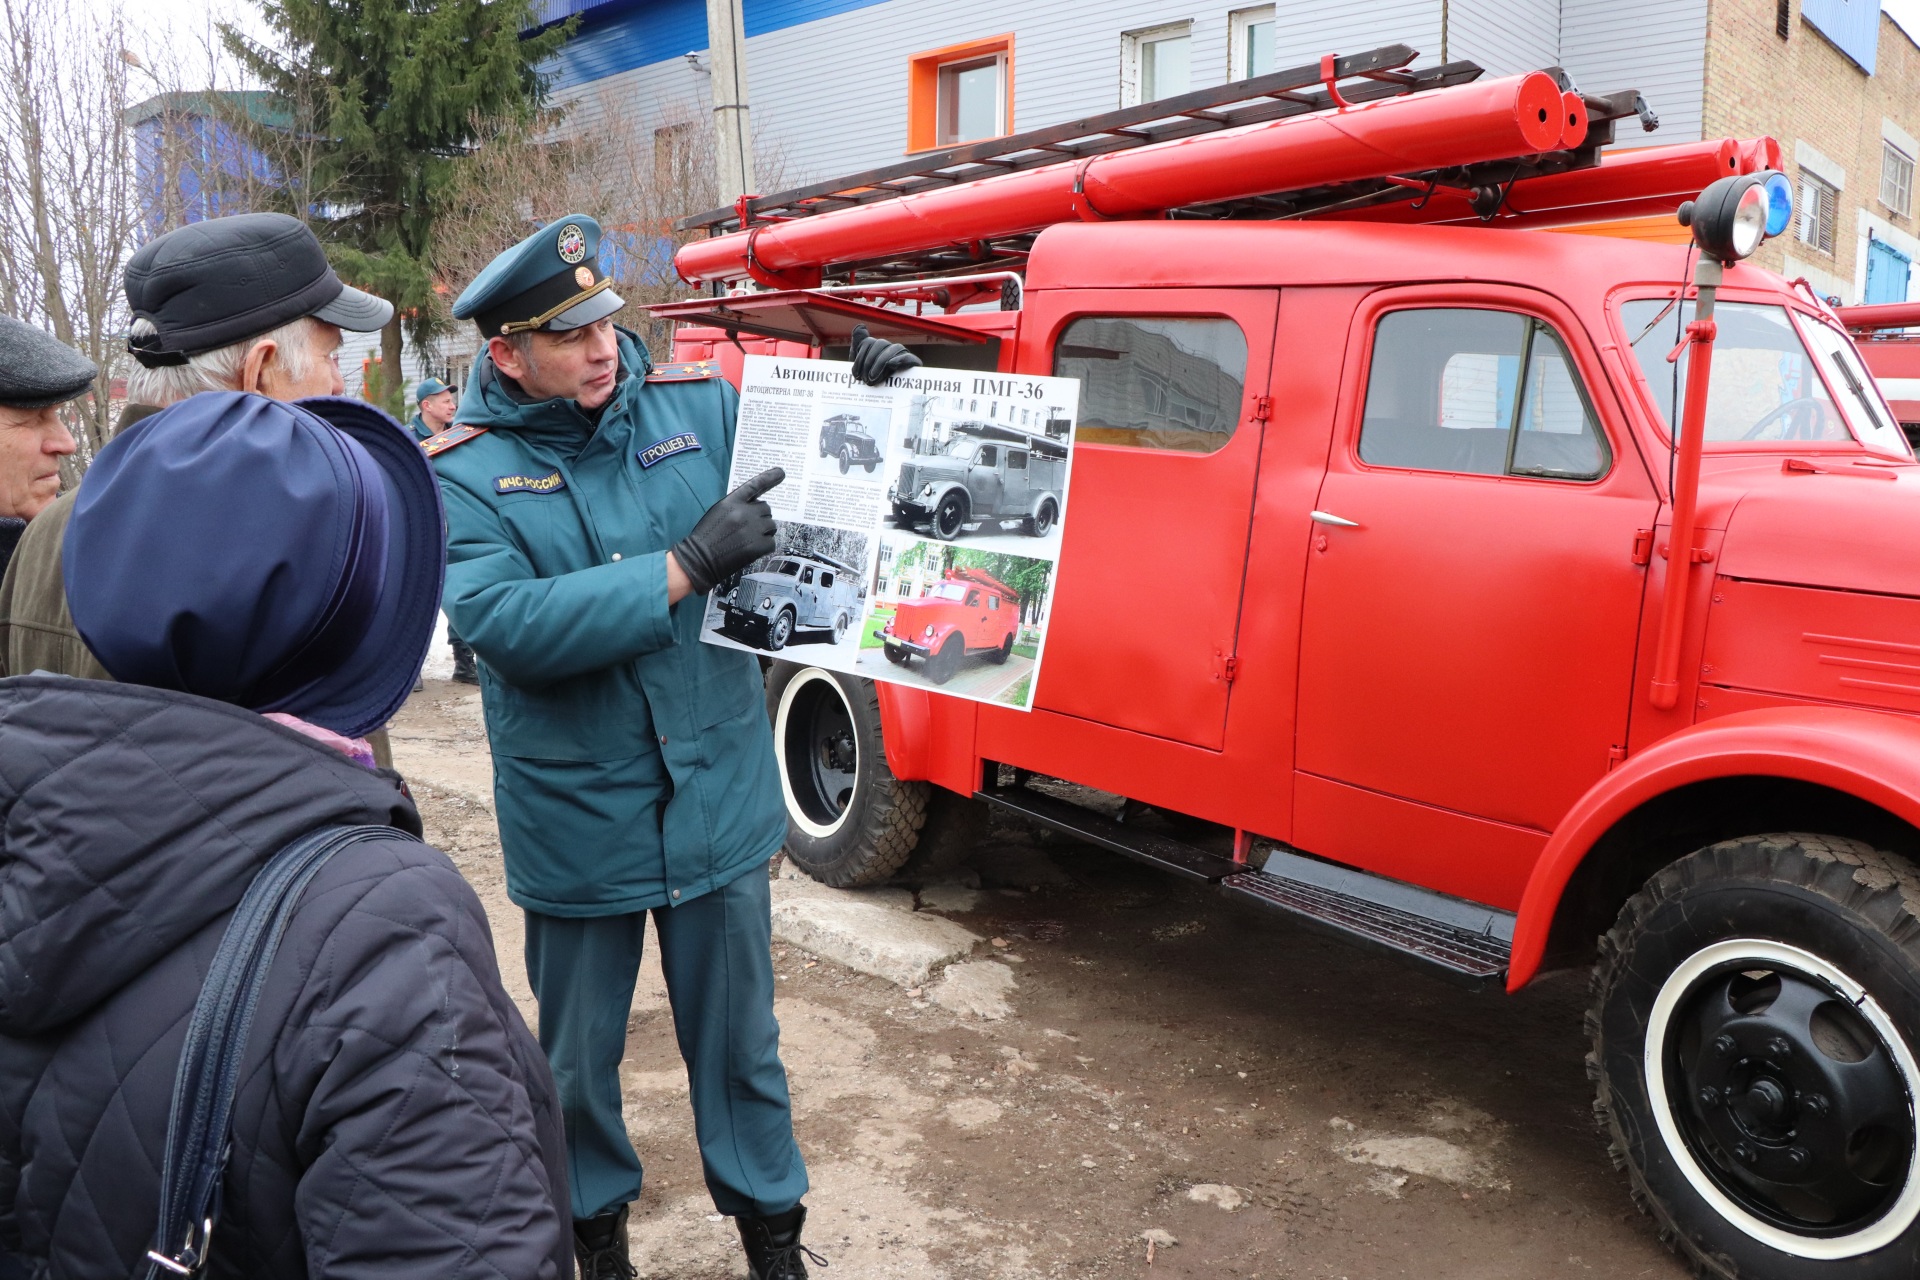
[945, 662]
[1004, 652]
[956, 825]
[1751, 1069]
[1041, 522]
[846, 459]
[780, 630]
[840, 624]
[950, 516]
[850, 822]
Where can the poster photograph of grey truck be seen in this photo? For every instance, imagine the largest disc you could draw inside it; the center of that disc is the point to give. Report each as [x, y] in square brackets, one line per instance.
[986, 469]
[854, 438]
[812, 589]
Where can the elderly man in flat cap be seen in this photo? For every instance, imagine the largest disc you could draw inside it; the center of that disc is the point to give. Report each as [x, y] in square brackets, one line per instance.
[38, 374]
[246, 303]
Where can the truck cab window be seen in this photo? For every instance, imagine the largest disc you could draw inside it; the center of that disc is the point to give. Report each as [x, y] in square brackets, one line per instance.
[1156, 382]
[826, 578]
[989, 456]
[1478, 392]
[1016, 461]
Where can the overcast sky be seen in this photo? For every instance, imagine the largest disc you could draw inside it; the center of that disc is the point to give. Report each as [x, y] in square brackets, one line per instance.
[161, 23]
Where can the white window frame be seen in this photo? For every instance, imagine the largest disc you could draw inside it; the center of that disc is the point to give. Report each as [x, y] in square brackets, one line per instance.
[940, 80]
[1237, 24]
[1812, 225]
[1897, 196]
[1131, 43]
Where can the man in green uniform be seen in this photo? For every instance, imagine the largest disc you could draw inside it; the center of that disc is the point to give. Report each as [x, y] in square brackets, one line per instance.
[433, 407]
[633, 766]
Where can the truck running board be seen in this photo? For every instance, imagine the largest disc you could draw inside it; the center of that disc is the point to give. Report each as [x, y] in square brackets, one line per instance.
[1463, 942]
[1077, 820]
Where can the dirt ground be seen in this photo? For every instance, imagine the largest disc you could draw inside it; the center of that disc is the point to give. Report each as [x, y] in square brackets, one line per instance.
[1176, 1089]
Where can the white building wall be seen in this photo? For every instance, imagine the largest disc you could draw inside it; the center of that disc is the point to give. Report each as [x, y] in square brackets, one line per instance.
[1303, 32]
[1504, 36]
[1656, 46]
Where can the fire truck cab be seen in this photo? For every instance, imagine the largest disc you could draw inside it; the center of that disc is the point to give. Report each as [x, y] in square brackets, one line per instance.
[1427, 653]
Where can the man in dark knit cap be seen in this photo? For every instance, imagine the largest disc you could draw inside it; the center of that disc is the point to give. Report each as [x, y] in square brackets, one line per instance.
[245, 303]
[38, 374]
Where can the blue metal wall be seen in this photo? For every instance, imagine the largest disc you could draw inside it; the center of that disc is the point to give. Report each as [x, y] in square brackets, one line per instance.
[620, 35]
[1853, 25]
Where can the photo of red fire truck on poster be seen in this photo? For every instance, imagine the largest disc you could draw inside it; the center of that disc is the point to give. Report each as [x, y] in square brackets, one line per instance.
[919, 527]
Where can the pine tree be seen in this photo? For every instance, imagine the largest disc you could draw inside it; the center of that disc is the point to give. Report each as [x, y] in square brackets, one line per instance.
[384, 96]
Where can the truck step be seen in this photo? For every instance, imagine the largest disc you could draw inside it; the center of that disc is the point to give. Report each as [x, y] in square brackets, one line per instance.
[1463, 942]
[1077, 820]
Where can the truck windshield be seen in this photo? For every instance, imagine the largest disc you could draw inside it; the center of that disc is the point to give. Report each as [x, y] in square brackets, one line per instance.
[789, 568]
[960, 447]
[949, 591]
[1768, 388]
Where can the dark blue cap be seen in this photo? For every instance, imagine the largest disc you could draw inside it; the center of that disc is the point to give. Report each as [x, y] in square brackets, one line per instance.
[551, 280]
[281, 557]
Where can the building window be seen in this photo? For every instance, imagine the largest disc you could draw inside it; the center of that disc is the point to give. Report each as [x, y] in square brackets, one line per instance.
[962, 93]
[1156, 63]
[1819, 211]
[1251, 51]
[1896, 179]
[1783, 18]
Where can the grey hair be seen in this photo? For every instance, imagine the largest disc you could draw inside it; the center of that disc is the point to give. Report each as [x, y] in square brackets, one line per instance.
[522, 342]
[219, 369]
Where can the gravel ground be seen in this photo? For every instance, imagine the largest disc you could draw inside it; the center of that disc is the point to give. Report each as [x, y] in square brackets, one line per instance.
[1171, 1088]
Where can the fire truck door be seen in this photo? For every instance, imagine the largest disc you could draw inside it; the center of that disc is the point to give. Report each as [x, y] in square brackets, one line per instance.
[983, 482]
[1471, 606]
[1159, 501]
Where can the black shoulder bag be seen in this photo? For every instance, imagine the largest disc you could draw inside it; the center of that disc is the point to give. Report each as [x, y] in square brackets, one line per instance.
[209, 1073]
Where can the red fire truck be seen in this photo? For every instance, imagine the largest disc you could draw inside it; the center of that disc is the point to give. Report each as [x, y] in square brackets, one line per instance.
[1543, 599]
[968, 613]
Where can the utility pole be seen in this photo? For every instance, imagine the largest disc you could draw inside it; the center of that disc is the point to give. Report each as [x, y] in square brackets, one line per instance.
[732, 129]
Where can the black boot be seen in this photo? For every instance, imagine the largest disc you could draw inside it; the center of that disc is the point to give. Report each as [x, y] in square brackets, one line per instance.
[464, 672]
[600, 1246]
[774, 1251]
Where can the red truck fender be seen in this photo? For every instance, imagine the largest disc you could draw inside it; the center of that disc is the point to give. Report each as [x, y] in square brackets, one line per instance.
[1873, 756]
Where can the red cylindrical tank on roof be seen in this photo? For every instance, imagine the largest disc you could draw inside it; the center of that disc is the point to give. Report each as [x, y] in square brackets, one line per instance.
[1465, 124]
[1638, 183]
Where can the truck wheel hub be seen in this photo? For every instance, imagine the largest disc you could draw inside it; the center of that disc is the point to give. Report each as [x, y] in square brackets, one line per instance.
[1787, 1100]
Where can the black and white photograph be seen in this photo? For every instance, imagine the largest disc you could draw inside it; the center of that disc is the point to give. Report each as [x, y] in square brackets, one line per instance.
[984, 471]
[852, 440]
[811, 591]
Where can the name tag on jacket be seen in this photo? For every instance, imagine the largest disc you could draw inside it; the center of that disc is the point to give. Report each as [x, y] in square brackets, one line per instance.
[551, 483]
[667, 448]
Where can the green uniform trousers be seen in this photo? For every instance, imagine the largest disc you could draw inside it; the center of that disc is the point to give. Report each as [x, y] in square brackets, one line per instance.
[716, 954]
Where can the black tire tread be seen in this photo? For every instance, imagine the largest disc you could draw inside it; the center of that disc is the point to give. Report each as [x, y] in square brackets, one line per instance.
[1882, 886]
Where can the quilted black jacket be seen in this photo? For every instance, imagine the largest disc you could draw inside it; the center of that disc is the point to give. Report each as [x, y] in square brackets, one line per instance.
[395, 1117]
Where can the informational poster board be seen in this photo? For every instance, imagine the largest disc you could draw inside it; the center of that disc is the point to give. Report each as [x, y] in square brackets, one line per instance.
[919, 524]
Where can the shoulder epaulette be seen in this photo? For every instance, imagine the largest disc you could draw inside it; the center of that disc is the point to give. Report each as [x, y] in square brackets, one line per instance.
[686, 371]
[458, 433]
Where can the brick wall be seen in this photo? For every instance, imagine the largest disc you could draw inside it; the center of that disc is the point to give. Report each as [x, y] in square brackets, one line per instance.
[1805, 92]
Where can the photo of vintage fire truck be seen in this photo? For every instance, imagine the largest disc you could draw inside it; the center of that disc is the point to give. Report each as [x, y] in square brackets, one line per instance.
[847, 438]
[982, 474]
[969, 614]
[1546, 601]
[795, 593]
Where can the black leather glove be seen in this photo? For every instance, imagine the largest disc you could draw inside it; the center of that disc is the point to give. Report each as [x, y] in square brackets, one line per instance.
[736, 531]
[875, 359]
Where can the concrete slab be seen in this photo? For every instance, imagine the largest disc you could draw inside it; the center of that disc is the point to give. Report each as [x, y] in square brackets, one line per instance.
[863, 933]
[976, 988]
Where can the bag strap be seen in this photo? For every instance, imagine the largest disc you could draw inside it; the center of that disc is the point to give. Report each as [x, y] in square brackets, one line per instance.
[209, 1071]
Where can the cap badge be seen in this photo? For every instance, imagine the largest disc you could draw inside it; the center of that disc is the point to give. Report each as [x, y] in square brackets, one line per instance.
[573, 244]
[583, 276]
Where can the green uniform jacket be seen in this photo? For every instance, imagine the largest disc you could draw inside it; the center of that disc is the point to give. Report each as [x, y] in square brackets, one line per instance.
[633, 765]
[418, 425]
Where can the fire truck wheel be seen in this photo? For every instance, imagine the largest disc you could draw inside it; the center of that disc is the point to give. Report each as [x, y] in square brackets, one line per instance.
[850, 822]
[840, 624]
[898, 657]
[870, 466]
[956, 825]
[1747, 1049]
[950, 516]
[780, 630]
[1004, 652]
[942, 665]
[1041, 523]
[846, 458]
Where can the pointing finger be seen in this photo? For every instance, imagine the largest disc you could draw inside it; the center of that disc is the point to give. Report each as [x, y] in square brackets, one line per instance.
[771, 478]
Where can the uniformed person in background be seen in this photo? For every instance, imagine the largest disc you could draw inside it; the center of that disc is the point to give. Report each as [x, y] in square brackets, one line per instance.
[634, 771]
[433, 407]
